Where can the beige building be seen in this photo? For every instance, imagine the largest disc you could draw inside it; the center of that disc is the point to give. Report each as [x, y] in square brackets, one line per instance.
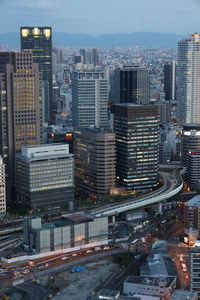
[95, 158]
[20, 106]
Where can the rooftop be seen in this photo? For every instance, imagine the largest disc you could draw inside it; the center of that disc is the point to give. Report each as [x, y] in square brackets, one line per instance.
[182, 295]
[195, 201]
[150, 280]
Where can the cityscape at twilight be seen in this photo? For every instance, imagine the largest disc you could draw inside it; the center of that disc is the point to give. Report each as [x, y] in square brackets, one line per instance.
[99, 150]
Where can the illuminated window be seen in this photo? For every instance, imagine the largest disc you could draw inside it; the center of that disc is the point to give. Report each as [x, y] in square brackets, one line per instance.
[25, 32]
[47, 32]
[36, 31]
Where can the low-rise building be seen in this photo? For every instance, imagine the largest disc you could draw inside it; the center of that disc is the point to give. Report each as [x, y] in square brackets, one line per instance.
[184, 295]
[148, 285]
[45, 176]
[69, 232]
[159, 262]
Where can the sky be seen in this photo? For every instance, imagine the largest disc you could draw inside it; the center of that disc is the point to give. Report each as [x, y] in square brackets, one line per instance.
[95, 17]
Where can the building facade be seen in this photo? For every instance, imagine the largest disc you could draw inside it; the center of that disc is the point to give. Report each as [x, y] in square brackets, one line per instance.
[38, 41]
[89, 99]
[132, 85]
[45, 176]
[20, 107]
[191, 154]
[195, 267]
[69, 232]
[137, 145]
[2, 187]
[188, 93]
[170, 82]
[95, 161]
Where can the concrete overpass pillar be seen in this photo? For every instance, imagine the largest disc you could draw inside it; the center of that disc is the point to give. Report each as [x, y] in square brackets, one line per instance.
[113, 219]
[160, 208]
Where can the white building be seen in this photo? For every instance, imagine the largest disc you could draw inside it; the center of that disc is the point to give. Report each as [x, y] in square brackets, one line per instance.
[2, 187]
[90, 98]
[151, 286]
[188, 94]
[195, 268]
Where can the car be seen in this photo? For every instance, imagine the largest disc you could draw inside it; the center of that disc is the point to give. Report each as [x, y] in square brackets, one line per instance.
[74, 254]
[106, 248]
[88, 251]
[97, 249]
[64, 257]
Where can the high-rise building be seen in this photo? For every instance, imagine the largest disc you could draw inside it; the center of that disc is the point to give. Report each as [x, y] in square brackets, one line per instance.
[137, 145]
[20, 107]
[45, 176]
[90, 98]
[188, 93]
[89, 57]
[170, 86]
[132, 85]
[195, 267]
[190, 142]
[2, 187]
[38, 40]
[95, 162]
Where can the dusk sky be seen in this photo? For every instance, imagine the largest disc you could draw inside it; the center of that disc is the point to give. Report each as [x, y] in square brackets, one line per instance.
[100, 17]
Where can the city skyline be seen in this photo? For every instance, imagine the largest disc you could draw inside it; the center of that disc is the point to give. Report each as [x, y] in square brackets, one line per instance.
[180, 17]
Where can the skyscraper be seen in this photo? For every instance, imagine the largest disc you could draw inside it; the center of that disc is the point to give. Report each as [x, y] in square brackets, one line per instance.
[137, 145]
[195, 267]
[188, 94]
[170, 85]
[132, 85]
[20, 107]
[190, 142]
[2, 187]
[89, 98]
[38, 40]
[95, 158]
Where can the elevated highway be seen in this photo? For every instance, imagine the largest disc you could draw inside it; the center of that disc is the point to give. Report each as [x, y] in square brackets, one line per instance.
[173, 184]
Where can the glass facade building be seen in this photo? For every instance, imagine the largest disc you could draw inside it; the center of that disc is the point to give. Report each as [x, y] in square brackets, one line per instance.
[137, 145]
[132, 85]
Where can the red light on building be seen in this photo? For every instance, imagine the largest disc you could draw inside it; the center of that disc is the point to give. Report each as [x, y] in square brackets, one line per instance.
[68, 136]
[193, 153]
[52, 136]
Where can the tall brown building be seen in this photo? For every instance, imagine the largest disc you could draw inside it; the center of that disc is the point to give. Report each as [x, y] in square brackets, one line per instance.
[20, 107]
[94, 155]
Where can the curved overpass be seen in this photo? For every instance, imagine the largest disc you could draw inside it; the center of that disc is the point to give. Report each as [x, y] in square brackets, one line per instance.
[173, 184]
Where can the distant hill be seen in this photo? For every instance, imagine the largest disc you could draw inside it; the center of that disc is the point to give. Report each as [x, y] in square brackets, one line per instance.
[142, 39]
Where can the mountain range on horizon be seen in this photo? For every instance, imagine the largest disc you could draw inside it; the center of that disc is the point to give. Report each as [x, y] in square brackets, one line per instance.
[141, 39]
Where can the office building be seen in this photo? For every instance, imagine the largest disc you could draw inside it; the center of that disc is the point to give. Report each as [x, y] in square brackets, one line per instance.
[20, 106]
[89, 57]
[2, 187]
[192, 219]
[89, 99]
[45, 176]
[195, 267]
[188, 93]
[95, 162]
[132, 85]
[38, 40]
[66, 233]
[137, 145]
[165, 112]
[191, 154]
[170, 86]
